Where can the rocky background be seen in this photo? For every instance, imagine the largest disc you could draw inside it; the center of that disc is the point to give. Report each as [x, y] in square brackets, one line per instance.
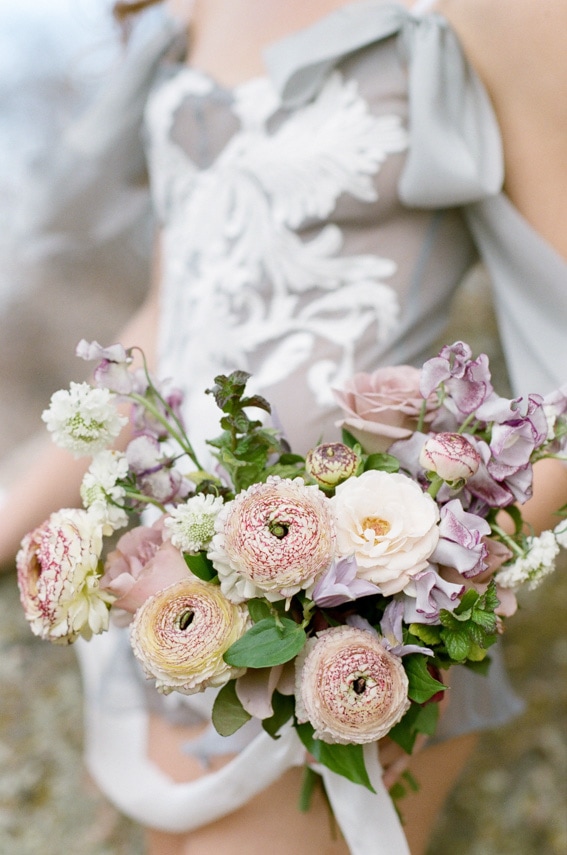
[512, 798]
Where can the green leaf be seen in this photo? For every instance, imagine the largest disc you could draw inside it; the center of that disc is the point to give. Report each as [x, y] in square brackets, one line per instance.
[418, 719]
[228, 713]
[258, 609]
[384, 462]
[284, 708]
[349, 439]
[201, 566]
[468, 600]
[458, 643]
[345, 760]
[422, 686]
[404, 733]
[427, 718]
[427, 633]
[309, 783]
[267, 643]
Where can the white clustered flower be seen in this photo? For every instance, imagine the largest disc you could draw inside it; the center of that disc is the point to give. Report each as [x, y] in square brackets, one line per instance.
[82, 419]
[560, 532]
[531, 568]
[101, 493]
[192, 525]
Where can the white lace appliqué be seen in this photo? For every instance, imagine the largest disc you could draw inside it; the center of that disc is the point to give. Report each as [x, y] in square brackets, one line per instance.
[252, 293]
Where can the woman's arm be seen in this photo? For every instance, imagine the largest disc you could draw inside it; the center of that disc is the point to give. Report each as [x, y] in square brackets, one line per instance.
[518, 49]
[53, 476]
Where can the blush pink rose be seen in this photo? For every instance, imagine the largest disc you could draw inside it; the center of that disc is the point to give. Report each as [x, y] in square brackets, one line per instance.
[383, 407]
[141, 565]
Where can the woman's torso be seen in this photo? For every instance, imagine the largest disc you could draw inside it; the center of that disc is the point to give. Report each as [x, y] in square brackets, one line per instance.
[286, 249]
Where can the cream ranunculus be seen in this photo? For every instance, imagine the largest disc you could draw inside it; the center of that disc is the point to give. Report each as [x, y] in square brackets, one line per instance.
[58, 577]
[273, 540]
[349, 687]
[181, 634]
[389, 524]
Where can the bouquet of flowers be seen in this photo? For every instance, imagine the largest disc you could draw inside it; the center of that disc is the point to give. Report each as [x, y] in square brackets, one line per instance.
[327, 592]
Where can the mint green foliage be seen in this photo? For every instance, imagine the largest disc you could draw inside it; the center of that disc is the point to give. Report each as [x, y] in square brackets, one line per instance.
[345, 760]
[472, 628]
[245, 447]
[228, 713]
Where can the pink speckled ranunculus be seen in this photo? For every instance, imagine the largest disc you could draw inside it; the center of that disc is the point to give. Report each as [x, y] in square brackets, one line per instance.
[58, 577]
[382, 407]
[349, 687]
[273, 540]
[142, 564]
[389, 524]
[181, 634]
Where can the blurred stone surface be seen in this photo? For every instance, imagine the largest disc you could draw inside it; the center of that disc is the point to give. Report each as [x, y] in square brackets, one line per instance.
[512, 797]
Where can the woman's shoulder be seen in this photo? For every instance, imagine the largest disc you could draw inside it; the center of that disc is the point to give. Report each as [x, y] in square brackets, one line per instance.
[519, 41]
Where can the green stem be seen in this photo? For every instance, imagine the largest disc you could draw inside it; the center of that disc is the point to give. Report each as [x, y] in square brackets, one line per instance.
[507, 540]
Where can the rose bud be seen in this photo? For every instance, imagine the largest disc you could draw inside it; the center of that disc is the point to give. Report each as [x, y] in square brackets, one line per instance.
[331, 463]
[450, 456]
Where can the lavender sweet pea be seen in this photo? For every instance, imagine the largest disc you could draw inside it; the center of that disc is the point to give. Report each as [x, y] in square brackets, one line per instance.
[466, 381]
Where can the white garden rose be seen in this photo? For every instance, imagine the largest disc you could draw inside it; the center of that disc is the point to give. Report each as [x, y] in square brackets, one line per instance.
[389, 524]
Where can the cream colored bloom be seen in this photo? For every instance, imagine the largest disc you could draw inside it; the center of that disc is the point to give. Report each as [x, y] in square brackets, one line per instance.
[389, 524]
[58, 578]
[191, 525]
[181, 633]
[82, 419]
[273, 540]
[349, 687]
[101, 493]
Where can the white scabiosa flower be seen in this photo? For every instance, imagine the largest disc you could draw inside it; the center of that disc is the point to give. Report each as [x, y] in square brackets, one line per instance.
[192, 524]
[181, 634]
[349, 686]
[532, 567]
[82, 419]
[58, 578]
[102, 494]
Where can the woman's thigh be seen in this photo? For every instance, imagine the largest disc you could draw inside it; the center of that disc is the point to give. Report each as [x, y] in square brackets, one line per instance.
[271, 822]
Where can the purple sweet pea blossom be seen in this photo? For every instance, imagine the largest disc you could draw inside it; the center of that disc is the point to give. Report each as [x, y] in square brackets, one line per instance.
[498, 494]
[466, 381]
[340, 584]
[513, 443]
[392, 631]
[169, 407]
[154, 473]
[461, 542]
[114, 361]
[427, 594]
